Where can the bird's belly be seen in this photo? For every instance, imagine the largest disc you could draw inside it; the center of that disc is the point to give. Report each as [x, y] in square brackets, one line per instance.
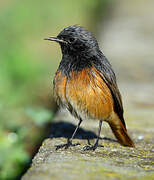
[84, 94]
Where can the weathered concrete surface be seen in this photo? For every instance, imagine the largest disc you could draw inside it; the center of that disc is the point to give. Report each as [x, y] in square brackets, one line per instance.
[109, 162]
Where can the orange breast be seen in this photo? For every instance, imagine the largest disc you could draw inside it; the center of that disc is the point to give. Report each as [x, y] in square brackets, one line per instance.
[85, 92]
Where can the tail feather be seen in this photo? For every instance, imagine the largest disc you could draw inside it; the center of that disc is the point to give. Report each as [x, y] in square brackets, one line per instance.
[121, 134]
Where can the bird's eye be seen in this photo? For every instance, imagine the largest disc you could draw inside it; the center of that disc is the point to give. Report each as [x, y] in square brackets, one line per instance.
[71, 40]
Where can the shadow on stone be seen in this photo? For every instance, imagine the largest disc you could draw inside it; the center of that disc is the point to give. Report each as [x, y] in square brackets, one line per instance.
[66, 129]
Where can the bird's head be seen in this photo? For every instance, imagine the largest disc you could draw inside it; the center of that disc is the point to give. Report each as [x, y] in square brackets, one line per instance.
[75, 39]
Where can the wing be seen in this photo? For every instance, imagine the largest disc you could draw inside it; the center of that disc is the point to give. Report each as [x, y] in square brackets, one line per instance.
[108, 75]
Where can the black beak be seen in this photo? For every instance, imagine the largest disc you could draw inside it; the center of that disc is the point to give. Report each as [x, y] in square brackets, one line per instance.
[55, 39]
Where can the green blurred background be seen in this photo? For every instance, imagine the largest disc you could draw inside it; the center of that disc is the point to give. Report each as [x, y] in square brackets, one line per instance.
[27, 66]
[28, 63]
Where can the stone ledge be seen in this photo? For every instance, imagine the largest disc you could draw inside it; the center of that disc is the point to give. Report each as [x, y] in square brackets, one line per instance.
[112, 161]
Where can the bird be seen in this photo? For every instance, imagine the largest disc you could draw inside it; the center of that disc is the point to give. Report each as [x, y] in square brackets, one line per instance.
[85, 84]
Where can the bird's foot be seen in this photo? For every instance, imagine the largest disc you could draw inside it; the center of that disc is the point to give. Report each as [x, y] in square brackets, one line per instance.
[66, 145]
[93, 148]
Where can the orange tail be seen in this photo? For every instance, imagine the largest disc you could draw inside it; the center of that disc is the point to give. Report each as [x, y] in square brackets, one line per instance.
[121, 134]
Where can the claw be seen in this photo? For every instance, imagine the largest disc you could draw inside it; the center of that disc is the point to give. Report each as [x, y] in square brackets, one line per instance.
[93, 148]
[67, 145]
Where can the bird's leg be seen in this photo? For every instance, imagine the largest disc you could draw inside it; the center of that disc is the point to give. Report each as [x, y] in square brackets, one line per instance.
[88, 147]
[69, 141]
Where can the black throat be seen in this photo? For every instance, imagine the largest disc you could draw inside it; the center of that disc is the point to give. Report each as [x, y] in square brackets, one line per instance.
[76, 63]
